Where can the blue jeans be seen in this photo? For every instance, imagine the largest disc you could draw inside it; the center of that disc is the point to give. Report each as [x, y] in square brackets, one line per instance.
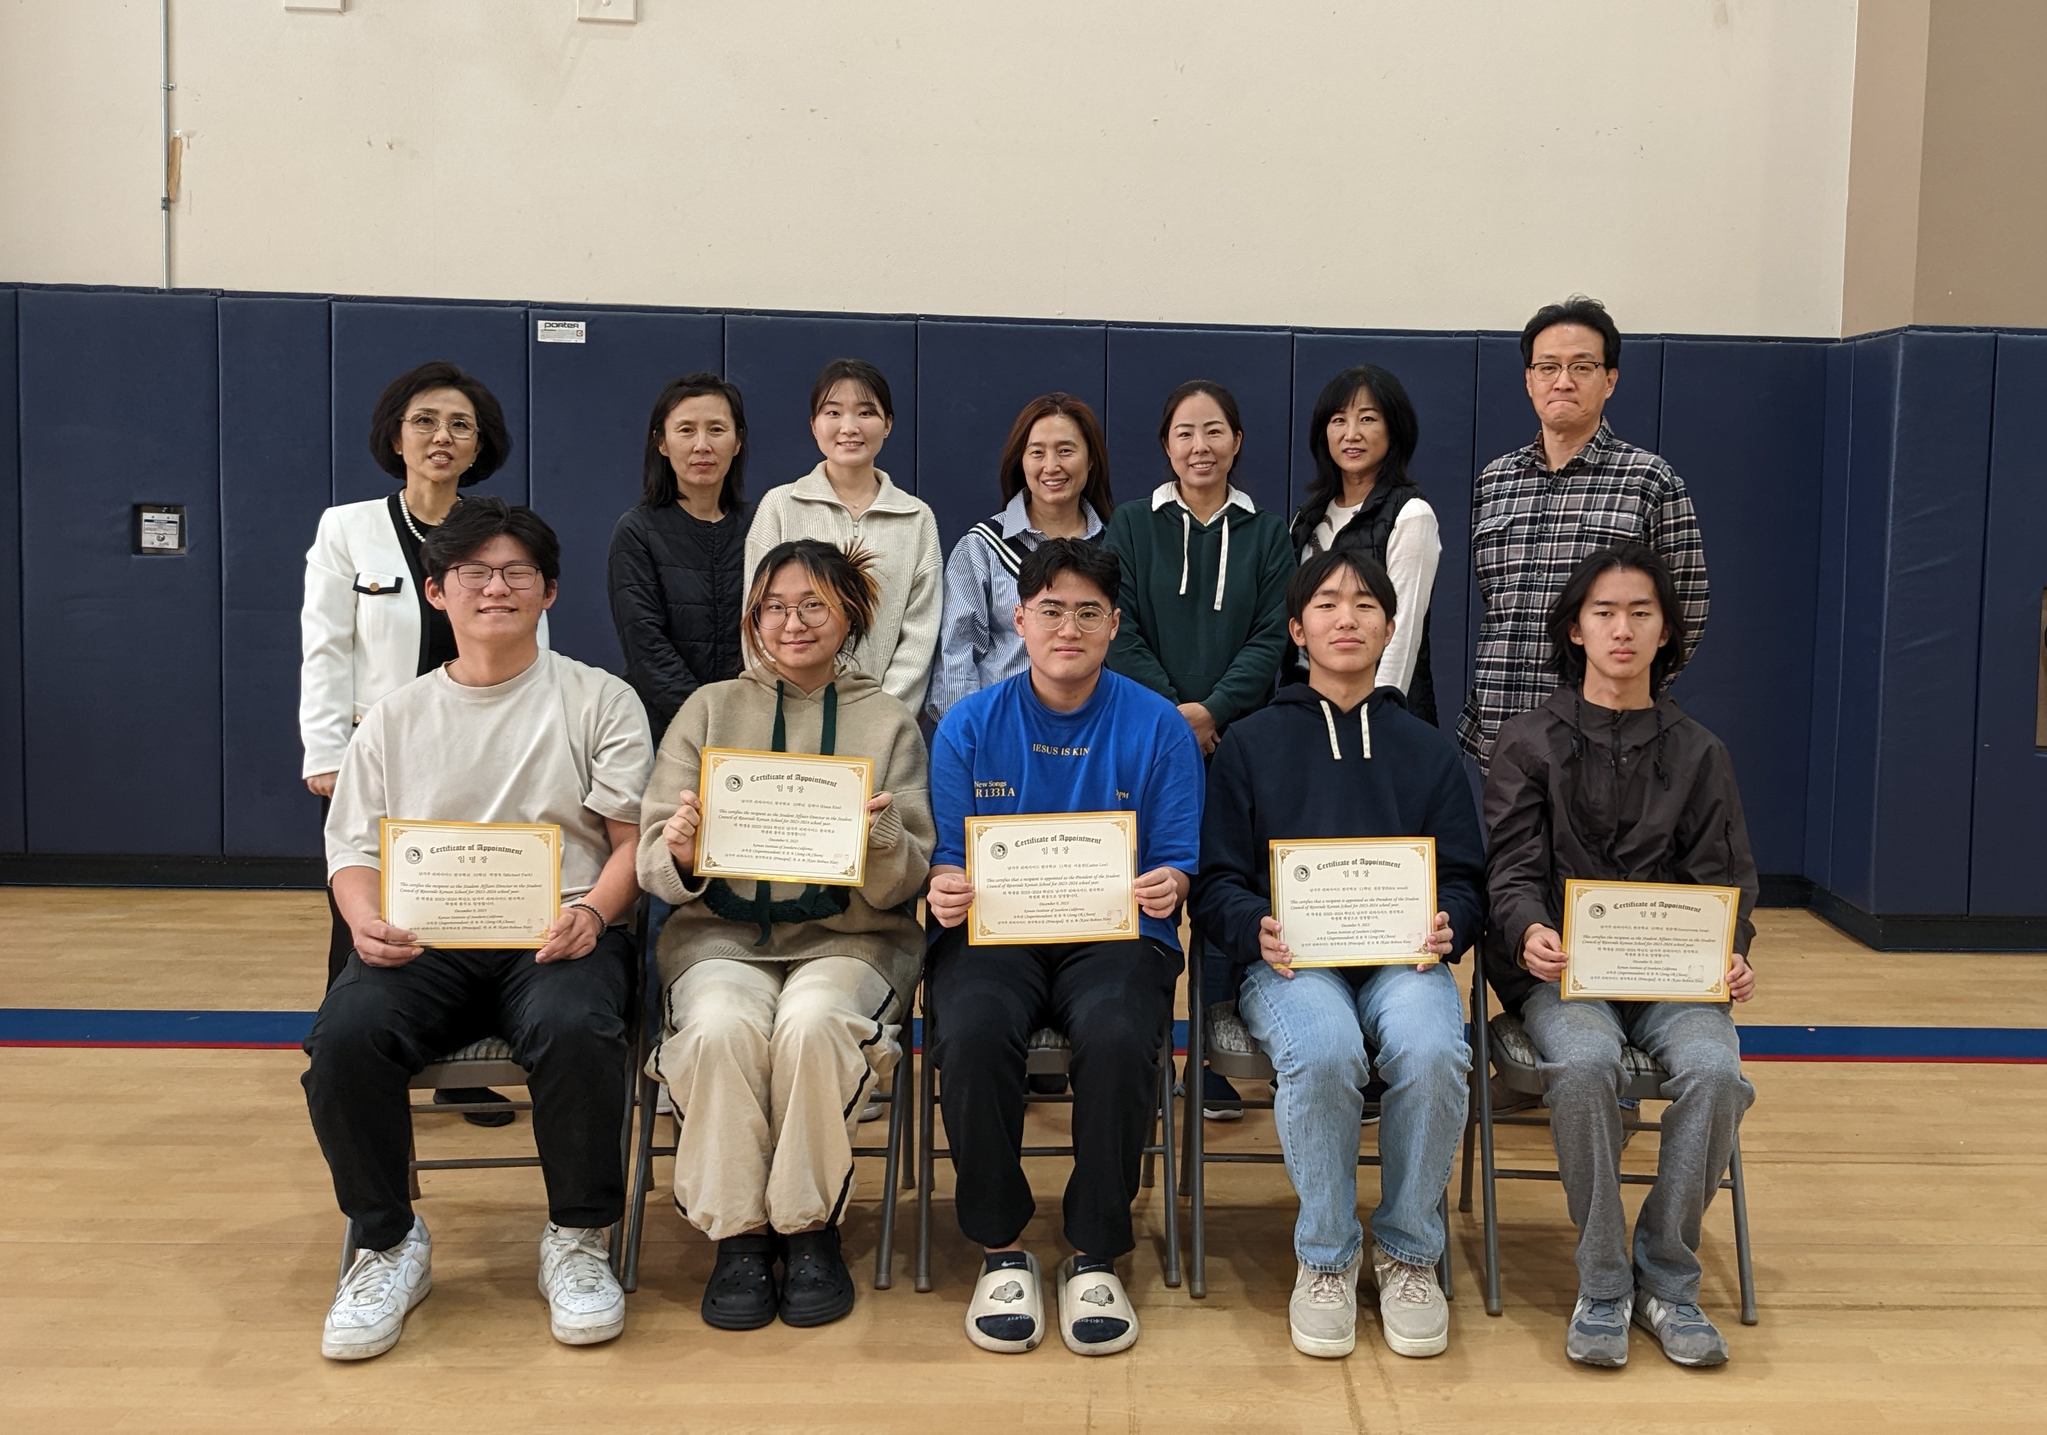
[1315, 1029]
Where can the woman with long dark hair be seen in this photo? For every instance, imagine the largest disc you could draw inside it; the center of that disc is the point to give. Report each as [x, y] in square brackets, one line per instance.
[678, 558]
[1362, 436]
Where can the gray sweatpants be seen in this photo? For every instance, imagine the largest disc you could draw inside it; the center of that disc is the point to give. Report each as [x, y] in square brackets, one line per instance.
[1580, 1045]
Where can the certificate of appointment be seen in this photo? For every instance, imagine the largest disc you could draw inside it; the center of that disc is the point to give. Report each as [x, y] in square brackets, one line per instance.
[1648, 941]
[784, 816]
[1355, 901]
[472, 884]
[1052, 877]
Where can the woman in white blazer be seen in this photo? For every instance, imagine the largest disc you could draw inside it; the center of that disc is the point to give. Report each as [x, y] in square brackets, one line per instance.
[366, 626]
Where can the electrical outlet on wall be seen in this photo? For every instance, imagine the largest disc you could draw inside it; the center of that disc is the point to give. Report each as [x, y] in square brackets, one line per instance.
[622, 12]
[332, 7]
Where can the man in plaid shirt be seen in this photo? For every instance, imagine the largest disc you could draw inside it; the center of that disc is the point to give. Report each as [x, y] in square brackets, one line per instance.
[1540, 510]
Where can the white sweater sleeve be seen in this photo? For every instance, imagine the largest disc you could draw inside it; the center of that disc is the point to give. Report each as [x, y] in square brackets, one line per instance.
[327, 649]
[909, 667]
[1412, 552]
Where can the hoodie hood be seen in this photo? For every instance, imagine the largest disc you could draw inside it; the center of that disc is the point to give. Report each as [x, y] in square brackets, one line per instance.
[1618, 737]
[852, 683]
[1303, 695]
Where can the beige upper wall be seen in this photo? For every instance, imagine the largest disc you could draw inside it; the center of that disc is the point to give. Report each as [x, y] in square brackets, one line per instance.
[1882, 246]
[1375, 163]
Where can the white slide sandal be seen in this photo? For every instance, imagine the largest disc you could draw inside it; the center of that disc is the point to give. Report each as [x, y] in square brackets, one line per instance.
[1094, 1296]
[1000, 1296]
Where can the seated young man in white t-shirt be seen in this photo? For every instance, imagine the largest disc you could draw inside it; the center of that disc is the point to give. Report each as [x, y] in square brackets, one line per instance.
[506, 732]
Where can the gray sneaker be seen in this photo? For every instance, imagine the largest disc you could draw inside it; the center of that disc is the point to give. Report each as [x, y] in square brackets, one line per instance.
[1412, 1312]
[1323, 1314]
[1599, 1331]
[1688, 1337]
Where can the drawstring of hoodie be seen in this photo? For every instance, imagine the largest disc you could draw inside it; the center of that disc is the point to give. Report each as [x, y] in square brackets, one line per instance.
[1222, 574]
[1364, 729]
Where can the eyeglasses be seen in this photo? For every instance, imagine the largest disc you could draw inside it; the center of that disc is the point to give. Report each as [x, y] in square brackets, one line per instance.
[476, 576]
[1050, 617]
[811, 613]
[1581, 370]
[426, 426]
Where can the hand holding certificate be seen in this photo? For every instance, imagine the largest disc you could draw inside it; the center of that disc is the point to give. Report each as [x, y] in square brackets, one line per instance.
[1356, 901]
[783, 816]
[1052, 877]
[471, 884]
[1648, 941]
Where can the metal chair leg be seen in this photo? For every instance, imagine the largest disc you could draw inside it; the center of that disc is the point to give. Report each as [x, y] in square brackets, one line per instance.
[1742, 1258]
[1166, 1160]
[1197, 1142]
[1482, 1068]
[348, 1249]
[884, 1251]
[411, 1158]
[1470, 1139]
[1443, 1271]
[927, 1101]
[641, 1181]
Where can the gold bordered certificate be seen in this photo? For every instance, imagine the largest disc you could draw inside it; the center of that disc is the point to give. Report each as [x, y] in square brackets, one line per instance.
[1052, 877]
[1648, 941]
[472, 884]
[784, 816]
[1355, 901]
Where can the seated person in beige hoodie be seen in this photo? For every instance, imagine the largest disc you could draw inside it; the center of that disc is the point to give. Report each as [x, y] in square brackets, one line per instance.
[785, 1002]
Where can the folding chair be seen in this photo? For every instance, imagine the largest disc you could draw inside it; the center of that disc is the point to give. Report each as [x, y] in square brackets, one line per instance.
[488, 1062]
[1048, 1053]
[1503, 1048]
[1227, 1047]
[646, 1148]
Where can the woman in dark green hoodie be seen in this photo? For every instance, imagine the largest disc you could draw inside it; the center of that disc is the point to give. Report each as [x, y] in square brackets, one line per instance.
[1204, 573]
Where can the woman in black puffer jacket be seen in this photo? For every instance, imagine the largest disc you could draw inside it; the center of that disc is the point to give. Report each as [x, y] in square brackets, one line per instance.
[678, 559]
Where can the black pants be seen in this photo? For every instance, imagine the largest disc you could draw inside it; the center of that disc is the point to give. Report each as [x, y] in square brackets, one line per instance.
[380, 1026]
[1112, 1000]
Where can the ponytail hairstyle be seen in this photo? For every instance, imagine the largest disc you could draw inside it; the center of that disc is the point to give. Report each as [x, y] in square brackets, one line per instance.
[842, 578]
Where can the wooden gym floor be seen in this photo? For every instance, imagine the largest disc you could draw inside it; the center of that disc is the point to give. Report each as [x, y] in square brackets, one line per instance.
[168, 1244]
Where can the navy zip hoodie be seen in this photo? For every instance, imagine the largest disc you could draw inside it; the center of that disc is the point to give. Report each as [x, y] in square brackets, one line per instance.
[1303, 768]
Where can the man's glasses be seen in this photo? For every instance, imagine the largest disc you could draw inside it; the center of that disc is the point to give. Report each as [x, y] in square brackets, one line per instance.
[1582, 371]
[476, 576]
[1050, 617]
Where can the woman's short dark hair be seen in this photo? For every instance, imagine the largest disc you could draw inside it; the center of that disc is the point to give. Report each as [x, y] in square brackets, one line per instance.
[1567, 658]
[1225, 400]
[493, 439]
[842, 578]
[658, 488]
[1311, 575]
[1045, 406]
[474, 522]
[857, 371]
[1043, 565]
[1403, 429]
[1577, 309]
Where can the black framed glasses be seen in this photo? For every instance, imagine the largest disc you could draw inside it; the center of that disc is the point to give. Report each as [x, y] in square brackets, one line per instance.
[476, 576]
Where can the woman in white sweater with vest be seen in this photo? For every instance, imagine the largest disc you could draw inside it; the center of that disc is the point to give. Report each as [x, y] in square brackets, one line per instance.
[366, 628]
[847, 500]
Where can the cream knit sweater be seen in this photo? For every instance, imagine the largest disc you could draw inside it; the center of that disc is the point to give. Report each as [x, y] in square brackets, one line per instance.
[903, 536]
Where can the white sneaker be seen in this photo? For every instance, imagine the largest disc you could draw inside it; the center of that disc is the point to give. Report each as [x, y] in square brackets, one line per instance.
[1322, 1316]
[584, 1303]
[1412, 1311]
[369, 1310]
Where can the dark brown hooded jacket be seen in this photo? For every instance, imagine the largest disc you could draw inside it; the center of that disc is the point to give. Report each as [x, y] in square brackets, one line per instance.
[1583, 791]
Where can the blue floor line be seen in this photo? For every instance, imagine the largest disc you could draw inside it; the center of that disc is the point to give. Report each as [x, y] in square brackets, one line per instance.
[54, 1026]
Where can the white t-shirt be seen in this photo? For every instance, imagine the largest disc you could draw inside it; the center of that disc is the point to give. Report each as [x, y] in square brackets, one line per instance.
[1333, 520]
[562, 742]
[1413, 549]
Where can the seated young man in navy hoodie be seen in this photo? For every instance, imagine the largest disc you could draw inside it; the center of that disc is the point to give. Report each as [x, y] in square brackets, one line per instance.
[1338, 756]
[1608, 780]
[1066, 735]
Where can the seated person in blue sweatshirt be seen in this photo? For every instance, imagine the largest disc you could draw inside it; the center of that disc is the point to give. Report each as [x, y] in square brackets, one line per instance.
[1066, 735]
[1339, 756]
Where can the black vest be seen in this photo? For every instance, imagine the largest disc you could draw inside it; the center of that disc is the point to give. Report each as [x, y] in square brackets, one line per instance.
[1367, 533]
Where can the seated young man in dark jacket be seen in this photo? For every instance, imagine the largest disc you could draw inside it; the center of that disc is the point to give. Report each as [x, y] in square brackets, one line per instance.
[1608, 781]
[1339, 756]
[1064, 735]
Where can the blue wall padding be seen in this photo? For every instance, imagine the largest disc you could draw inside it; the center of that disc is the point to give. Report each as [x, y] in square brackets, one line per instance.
[120, 403]
[1256, 366]
[374, 343]
[2006, 874]
[13, 827]
[1756, 486]
[588, 424]
[275, 472]
[1440, 374]
[1937, 491]
[1829, 595]
[775, 359]
[971, 381]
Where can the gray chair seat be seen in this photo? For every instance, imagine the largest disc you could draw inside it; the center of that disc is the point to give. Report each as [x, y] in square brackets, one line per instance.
[1231, 1051]
[1518, 1066]
[481, 1063]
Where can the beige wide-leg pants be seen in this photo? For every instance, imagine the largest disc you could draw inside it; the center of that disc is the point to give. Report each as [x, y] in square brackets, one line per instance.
[768, 1066]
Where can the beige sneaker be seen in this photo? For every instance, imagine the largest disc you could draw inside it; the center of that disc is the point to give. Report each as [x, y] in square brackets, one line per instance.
[1323, 1314]
[1412, 1311]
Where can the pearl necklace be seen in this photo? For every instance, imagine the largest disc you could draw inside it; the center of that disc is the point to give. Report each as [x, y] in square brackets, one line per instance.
[406, 514]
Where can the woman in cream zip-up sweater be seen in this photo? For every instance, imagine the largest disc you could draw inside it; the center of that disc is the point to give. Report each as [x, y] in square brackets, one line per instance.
[847, 500]
[785, 1002]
